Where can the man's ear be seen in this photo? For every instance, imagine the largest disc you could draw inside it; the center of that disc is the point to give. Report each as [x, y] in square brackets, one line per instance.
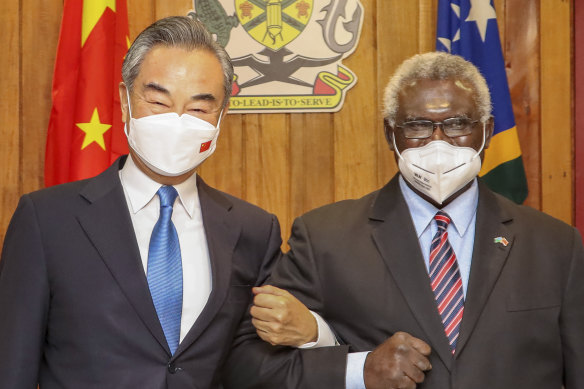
[388, 130]
[123, 102]
[489, 128]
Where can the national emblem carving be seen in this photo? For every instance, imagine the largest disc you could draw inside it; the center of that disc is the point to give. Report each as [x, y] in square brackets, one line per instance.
[287, 54]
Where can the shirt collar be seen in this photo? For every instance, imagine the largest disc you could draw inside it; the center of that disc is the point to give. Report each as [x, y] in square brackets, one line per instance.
[141, 189]
[461, 210]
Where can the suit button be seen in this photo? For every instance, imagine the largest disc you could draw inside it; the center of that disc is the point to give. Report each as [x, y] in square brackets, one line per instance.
[172, 368]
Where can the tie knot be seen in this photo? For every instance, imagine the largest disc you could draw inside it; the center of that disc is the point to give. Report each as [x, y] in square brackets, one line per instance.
[167, 196]
[442, 220]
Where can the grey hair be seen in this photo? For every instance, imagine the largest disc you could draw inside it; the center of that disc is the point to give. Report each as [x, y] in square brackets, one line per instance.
[436, 66]
[175, 31]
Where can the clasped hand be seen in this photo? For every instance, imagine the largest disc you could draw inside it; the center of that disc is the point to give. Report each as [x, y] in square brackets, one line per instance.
[400, 362]
[281, 319]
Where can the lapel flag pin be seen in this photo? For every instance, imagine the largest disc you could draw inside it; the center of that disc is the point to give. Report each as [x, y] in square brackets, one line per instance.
[502, 240]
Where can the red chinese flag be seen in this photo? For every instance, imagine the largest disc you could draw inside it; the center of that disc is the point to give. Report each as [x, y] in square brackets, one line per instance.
[86, 133]
[205, 146]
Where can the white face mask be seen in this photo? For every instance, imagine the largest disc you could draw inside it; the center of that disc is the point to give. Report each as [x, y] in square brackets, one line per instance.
[169, 144]
[439, 169]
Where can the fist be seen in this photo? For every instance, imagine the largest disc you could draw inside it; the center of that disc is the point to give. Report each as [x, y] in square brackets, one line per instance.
[281, 319]
[399, 362]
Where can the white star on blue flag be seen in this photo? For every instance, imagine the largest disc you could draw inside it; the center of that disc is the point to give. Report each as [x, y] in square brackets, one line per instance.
[469, 28]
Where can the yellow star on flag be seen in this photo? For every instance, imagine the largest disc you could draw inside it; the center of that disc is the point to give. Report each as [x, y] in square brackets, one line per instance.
[92, 12]
[94, 131]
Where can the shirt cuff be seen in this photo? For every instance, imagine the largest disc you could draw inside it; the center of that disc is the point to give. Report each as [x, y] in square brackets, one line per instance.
[325, 335]
[355, 365]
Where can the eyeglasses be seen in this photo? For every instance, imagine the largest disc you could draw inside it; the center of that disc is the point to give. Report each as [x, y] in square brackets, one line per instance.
[452, 127]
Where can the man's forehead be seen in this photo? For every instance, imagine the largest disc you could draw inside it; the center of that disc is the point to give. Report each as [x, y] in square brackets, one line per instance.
[436, 96]
[167, 69]
[435, 84]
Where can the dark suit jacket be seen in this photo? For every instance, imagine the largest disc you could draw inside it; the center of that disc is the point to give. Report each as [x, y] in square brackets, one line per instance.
[75, 308]
[358, 264]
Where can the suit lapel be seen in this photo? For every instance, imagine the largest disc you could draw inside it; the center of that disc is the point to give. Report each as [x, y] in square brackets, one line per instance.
[222, 233]
[108, 225]
[396, 240]
[487, 260]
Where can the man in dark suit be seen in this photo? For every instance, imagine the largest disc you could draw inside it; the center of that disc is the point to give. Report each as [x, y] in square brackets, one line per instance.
[138, 278]
[447, 283]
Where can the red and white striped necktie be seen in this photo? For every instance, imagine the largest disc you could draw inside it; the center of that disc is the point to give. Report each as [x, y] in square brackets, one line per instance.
[446, 281]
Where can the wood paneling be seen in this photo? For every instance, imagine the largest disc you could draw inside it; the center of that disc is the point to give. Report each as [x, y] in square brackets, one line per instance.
[141, 13]
[224, 169]
[396, 41]
[10, 113]
[556, 102]
[311, 162]
[38, 21]
[171, 8]
[427, 25]
[355, 126]
[290, 163]
[579, 114]
[522, 62]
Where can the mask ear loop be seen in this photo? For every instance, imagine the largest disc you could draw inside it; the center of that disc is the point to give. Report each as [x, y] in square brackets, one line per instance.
[395, 146]
[220, 117]
[129, 104]
[483, 144]
[129, 111]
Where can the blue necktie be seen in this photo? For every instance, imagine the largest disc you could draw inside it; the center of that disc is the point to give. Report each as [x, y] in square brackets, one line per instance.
[165, 269]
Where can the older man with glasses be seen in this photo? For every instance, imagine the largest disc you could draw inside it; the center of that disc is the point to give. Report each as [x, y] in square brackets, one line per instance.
[433, 281]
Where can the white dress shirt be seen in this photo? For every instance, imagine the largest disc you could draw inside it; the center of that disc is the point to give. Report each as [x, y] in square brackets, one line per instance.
[144, 205]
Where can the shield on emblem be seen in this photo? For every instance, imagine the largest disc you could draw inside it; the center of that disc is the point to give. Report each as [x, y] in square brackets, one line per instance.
[274, 23]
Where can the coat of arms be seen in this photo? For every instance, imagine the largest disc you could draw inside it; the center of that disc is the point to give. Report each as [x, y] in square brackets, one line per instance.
[287, 53]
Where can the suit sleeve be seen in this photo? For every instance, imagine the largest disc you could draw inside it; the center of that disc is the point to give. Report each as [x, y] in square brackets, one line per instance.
[572, 319]
[24, 300]
[272, 252]
[254, 363]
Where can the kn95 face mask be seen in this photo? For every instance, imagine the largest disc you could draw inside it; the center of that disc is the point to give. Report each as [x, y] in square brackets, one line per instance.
[439, 169]
[169, 144]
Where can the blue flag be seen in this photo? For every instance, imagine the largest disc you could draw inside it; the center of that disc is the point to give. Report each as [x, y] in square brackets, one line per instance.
[469, 28]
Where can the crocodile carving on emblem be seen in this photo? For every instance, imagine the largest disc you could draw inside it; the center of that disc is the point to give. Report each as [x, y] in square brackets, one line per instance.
[212, 14]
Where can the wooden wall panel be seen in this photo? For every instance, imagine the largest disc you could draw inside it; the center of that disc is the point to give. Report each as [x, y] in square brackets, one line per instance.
[396, 41]
[39, 36]
[579, 115]
[311, 162]
[522, 60]
[10, 117]
[166, 8]
[141, 13]
[355, 146]
[290, 163]
[274, 153]
[556, 109]
[252, 161]
[428, 9]
[224, 169]
[266, 165]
